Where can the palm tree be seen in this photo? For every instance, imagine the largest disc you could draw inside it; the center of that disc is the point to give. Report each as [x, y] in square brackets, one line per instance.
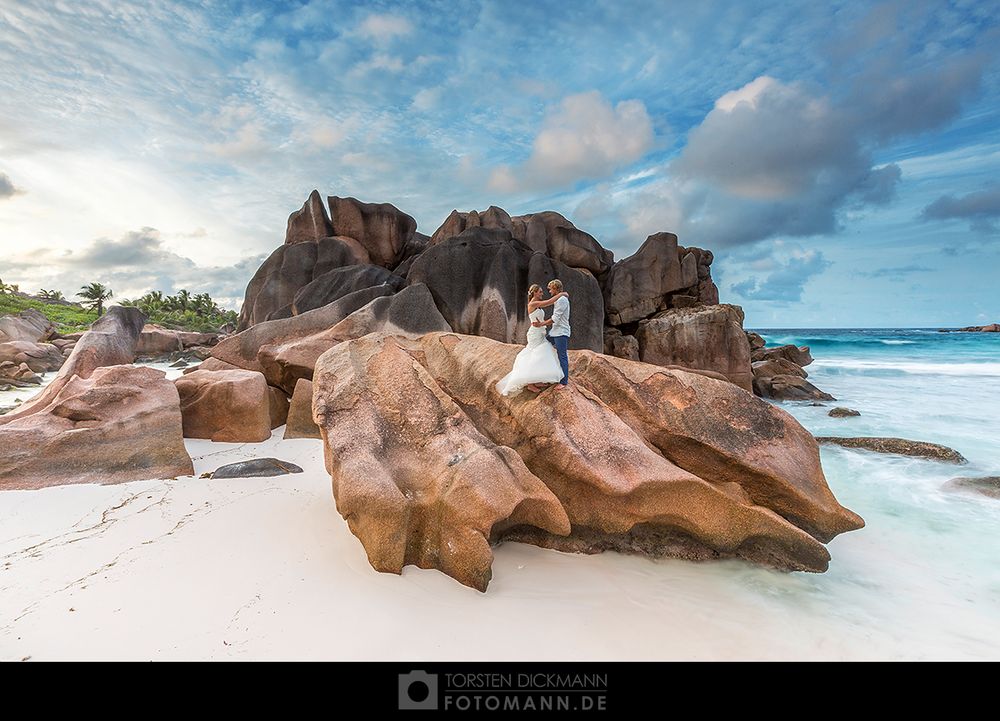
[95, 295]
[51, 294]
[4, 288]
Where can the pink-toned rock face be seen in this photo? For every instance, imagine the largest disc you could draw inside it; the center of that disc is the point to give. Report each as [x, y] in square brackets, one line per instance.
[704, 337]
[122, 423]
[39, 357]
[28, 325]
[154, 341]
[232, 406]
[110, 341]
[640, 459]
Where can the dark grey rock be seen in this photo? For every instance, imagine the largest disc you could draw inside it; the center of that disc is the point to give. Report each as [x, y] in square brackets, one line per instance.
[897, 446]
[255, 468]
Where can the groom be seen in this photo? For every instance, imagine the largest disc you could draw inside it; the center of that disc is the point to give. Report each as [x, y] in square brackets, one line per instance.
[558, 333]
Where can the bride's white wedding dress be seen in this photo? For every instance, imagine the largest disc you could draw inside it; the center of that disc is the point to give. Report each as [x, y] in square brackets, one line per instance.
[537, 363]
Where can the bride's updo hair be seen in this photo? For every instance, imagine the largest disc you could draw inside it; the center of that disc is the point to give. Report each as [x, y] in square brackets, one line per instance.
[532, 290]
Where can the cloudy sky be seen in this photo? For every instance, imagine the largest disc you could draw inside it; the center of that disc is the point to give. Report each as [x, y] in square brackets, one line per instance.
[842, 159]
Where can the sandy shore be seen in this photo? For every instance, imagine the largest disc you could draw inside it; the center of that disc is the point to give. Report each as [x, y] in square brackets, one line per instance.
[266, 568]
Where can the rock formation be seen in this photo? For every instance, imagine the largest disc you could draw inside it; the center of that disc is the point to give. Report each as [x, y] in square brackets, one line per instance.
[430, 465]
[110, 341]
[114, 424]
[29, 325]
[156, 341]
[478, 265]
[709, 337]
[230, 406]
[778, 373]
[39, 357]
[991, 328]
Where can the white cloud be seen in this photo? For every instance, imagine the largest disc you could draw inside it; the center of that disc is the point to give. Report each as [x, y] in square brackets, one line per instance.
[383, 28]
[583, 137]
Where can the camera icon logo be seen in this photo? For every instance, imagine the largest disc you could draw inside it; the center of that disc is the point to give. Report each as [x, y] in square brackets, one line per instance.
[418, 690]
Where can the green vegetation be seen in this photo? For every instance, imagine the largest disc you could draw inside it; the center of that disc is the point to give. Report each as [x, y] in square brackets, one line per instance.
[68, 318]
[95, 294]
[184, 311]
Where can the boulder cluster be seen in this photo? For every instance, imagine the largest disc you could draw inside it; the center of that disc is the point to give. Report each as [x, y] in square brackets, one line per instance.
[779, 373]
[386, 344]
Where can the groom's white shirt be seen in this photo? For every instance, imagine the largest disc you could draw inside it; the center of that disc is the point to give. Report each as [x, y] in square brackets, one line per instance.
[560, 317]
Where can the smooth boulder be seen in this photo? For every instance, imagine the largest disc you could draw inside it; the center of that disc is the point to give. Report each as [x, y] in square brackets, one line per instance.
[229, 406]
[335, 284]
[639, 285]
[28, 325]
[120, 423]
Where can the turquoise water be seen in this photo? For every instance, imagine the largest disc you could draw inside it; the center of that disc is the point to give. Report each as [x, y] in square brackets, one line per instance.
[925, 569]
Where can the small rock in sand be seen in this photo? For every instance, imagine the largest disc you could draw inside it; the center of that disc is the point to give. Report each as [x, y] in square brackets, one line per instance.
[256, 468]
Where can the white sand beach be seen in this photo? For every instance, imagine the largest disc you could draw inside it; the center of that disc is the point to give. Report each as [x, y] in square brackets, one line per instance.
[266, 568]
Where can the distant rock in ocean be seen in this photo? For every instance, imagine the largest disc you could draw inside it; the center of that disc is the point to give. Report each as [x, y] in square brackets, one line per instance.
[991, 328]
[841, 412]
[988, 486]
[898, 446]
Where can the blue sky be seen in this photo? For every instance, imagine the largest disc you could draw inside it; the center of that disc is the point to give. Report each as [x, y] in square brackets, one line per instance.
[841, 159]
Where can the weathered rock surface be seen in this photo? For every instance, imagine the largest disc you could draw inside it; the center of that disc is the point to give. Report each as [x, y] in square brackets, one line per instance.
[897, 446]
[428, 468]
[300, 422]
[550, 233]
[256, 468]
[381, 228]
[39, 357]
[290, 268]
[414, 478]
[29, 325]
[310, 222]
[458, 222]
[157, 341]
[240, 350]
[120, 423]
[335, 284]
[756, 341]
[703, 337]
[788, 388]
[110, 341]
[480, 278]
[620, 344]
[638, 286]
[411, 313]
[841, 412]
[988, 486]
[230, 406]
[799, 355]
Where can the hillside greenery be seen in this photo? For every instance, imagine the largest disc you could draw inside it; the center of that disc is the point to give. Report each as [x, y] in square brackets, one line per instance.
[181, 311]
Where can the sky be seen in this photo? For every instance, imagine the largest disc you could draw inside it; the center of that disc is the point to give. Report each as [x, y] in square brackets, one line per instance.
[841, 159]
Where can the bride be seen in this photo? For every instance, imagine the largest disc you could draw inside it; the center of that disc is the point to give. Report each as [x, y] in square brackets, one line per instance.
[538, 362]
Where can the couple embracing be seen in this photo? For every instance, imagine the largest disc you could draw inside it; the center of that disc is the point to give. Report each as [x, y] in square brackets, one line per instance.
[545, 359]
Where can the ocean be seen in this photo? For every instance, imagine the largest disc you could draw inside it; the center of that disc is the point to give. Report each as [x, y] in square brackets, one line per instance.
[922, 579]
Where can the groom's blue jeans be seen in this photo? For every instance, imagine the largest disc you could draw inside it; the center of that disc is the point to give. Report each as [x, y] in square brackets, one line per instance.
[561, 342]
